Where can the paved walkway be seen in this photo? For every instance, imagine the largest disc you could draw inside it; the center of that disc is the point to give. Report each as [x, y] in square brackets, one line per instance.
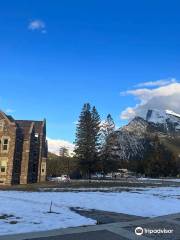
[117, 227]
[104, 217]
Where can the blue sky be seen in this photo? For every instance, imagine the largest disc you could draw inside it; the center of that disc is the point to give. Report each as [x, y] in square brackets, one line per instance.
[57, 55]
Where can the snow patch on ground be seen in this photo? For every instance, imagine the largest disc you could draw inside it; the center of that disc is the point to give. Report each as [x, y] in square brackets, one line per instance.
[31, 208]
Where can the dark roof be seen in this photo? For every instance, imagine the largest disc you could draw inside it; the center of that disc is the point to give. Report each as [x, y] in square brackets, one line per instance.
[26, 125]
[38, 125]
[10, 118]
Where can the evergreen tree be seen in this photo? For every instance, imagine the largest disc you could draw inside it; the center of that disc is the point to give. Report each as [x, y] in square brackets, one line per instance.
[108, 158]
[159, 161]
[87, 140]
[107, 127]
[96, 138]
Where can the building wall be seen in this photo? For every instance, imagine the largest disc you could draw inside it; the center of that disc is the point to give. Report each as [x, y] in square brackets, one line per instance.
[8, 138]
[23, 160]
[42, 154]
[33, 159]
[26, 156]
[17, 157]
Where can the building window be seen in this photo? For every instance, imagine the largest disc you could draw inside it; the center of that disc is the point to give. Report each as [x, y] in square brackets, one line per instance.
[34, 168]
[43, 168]
[3, 164]
[5, 144]
[1, 125]
[35, 154]
[3, 169]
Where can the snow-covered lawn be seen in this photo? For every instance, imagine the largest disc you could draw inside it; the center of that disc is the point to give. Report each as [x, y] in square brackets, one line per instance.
[29, 210]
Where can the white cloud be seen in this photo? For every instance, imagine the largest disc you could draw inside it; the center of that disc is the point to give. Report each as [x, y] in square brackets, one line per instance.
[129, 112]
[37, 25]
[55, 144]
[162, 98]
[157, 83]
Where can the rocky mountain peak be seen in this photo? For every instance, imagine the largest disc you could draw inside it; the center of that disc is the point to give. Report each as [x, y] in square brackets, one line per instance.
[132, 140]
[167, 119]
[137, 125]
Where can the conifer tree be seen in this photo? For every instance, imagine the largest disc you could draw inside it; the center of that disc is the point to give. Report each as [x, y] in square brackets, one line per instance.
[107, 127]
[108, 158]
[87, 140]
[96, 121]
[159, 161]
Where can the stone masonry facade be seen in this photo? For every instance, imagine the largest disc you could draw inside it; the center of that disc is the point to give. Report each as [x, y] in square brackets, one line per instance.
[23, 150]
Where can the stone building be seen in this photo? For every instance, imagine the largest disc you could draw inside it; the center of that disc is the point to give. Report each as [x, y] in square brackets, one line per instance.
[23, 151]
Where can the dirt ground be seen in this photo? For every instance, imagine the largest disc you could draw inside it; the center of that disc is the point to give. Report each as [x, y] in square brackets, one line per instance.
[85, 184]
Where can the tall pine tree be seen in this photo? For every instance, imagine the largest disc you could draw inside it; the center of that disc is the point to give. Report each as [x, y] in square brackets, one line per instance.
[107, 158]
[107, 127]
[87, 140]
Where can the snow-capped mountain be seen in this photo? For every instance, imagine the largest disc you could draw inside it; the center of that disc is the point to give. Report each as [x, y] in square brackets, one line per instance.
[54, 146]
[172, 113]
[132, 140]
[168, 119]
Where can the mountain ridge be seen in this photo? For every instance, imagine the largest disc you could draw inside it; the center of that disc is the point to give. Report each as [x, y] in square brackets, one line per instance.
[132, 140]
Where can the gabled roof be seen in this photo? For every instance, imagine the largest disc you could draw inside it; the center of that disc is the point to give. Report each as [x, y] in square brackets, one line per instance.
[38, 125]
[25, 125]
[26, 128]
[9, 118]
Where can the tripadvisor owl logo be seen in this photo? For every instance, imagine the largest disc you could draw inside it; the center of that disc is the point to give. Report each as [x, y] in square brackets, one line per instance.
[139, 231]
